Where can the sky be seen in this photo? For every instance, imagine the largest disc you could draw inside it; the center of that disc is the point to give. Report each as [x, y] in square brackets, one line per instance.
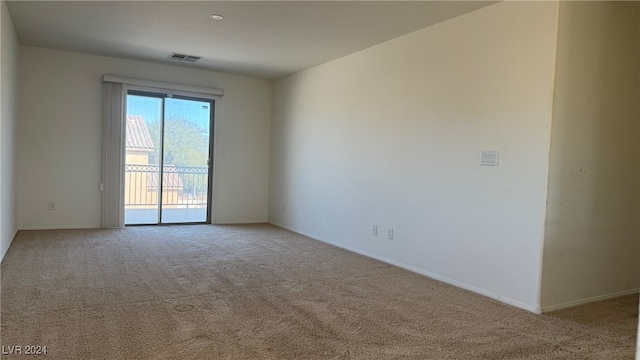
[150, 109]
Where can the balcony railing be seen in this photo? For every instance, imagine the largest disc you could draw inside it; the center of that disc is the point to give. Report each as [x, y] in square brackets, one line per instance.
[182, 186]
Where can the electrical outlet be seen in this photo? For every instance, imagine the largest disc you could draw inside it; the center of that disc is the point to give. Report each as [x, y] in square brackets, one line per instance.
[390, 234]
[284, 208]
[52, 205]
[375, 230]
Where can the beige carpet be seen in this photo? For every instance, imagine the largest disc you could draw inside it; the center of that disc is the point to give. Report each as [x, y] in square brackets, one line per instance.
[260, 292]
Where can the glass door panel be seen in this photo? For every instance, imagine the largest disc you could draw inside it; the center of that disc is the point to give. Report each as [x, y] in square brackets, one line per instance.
[185, 160]
[142, 162]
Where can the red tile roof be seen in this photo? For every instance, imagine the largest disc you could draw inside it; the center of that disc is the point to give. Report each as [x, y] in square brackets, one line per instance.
[138, 136]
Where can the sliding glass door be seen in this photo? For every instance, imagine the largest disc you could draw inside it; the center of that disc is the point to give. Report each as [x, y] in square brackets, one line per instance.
[168, 150]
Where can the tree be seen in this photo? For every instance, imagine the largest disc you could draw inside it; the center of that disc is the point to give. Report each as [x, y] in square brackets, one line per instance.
[185, 144]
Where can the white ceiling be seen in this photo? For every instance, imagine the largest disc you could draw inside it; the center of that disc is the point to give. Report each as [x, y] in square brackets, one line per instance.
[265, 39]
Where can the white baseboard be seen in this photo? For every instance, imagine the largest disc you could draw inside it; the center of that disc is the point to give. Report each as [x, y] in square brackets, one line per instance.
[59, 227]
[240, 222]
[489, 294]
[570, 304]
[72, 227]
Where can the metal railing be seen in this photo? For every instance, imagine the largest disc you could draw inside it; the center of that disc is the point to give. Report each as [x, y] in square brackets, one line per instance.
[182, 186]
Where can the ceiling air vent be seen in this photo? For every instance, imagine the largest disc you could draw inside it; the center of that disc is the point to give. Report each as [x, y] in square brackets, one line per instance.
[184, 57]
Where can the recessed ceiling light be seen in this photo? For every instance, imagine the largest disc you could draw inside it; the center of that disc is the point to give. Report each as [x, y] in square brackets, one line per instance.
[216, 17]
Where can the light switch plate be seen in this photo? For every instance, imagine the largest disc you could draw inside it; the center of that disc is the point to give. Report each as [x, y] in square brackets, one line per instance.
[488, 158]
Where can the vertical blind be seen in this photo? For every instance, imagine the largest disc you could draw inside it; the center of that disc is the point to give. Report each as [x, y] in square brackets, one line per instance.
[113, 155]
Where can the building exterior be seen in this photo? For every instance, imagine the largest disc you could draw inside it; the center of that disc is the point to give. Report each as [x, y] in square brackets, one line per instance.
[141, 178]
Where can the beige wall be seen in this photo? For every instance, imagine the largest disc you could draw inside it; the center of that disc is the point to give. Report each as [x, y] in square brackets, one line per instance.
[392, 136]
[60, 132]
[8, 118]
[136, 157]
[591, 240]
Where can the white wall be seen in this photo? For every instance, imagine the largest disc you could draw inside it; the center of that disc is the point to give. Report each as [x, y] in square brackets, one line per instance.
[59, 152]
[392, 136]
[8, 90]
[591, 247]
